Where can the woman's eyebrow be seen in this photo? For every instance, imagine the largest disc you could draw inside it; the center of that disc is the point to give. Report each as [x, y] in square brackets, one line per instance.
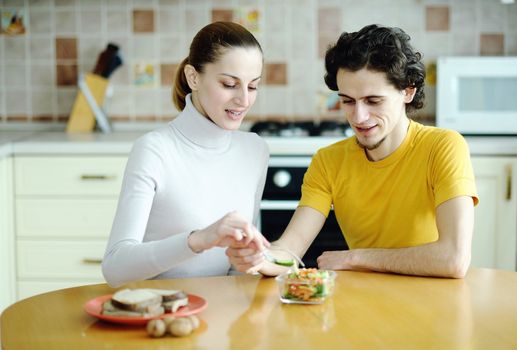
[237, 78]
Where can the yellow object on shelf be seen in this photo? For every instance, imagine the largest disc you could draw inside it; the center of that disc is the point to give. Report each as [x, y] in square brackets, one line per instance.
[82, 118]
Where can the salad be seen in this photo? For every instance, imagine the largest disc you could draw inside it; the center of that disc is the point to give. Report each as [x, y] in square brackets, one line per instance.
[308, 286]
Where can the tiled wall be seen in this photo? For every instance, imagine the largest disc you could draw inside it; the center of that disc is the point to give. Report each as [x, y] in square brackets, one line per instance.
[39, 69]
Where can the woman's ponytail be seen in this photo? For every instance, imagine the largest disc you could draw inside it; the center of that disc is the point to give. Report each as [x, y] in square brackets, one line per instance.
[180, 89]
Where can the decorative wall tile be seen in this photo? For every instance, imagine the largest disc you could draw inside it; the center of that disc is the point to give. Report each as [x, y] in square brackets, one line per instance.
[143, 21]
[66, 74]
[293, 34]
[329, 20]
[66, 48]
[491, 44]
[324, 41]
[222, 15]
[437, 18]
[168, 71]
[276, 74]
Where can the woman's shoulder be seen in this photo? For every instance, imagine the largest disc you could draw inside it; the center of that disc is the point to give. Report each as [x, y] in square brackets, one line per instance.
[250, 139]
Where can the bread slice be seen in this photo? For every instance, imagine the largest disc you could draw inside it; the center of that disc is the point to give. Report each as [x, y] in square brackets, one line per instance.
[169, 294]
[174, 305]
[139, 300]
[109, 309]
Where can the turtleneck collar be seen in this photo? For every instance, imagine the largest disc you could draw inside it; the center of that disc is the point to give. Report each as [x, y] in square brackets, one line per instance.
[200, 130]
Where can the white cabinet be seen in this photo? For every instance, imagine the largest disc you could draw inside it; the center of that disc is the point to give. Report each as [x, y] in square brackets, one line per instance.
[7, 260]
[494, 243]
[64, 208]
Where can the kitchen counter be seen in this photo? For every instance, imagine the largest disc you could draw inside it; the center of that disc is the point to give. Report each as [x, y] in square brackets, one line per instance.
[19, 143]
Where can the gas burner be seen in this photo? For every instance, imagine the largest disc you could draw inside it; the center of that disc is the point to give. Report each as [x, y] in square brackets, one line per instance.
[301, 129]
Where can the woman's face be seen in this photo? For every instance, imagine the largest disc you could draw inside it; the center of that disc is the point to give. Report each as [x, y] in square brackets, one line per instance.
[227, 88]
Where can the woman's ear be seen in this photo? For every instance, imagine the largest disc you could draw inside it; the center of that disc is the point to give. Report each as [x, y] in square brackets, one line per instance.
[192, 76]
[409, 93]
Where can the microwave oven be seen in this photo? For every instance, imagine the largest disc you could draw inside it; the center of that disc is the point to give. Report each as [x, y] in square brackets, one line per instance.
[477, 95]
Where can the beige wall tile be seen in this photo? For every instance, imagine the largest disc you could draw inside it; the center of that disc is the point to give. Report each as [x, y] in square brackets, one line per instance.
[42, 75]
[65, 100]
[15, 75]
[65, 21]
[437, 18]
[91, 22]
[491, 44]
[41, 48]
[40, 21]
[15, 47]
[143, 21]
[17, 102]
[117, 21]
[170, 21]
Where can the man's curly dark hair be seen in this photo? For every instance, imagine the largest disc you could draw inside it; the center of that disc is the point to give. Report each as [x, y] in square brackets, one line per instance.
[381, 49]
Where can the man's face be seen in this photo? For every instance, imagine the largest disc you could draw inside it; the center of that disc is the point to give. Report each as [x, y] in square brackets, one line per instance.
[375, 109]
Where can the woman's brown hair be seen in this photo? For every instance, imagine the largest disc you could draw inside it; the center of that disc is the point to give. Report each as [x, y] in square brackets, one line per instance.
[206, 47]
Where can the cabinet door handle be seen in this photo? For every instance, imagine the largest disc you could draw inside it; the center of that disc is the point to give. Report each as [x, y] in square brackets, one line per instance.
[92, 261]
[87, 177]
[508, 182]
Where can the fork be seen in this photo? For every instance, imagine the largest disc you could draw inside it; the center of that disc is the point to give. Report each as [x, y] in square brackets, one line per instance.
[272, 259]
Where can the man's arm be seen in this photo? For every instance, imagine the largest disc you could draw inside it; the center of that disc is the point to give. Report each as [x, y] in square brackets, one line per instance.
[449, 256]
[304, 226]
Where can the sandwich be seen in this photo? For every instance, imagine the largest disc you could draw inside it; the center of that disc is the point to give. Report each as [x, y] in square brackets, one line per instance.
[144, 302]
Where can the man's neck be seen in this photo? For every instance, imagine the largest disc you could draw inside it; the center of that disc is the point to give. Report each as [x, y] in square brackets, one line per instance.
[391, 143]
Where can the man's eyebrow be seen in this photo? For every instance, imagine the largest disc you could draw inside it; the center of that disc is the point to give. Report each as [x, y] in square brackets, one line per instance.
[237, 78]
[370, 96]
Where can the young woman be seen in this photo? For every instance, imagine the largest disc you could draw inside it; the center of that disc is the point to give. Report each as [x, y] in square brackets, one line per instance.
[193, 187]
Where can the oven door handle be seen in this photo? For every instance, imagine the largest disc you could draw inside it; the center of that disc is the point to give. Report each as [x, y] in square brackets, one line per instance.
[278, 205]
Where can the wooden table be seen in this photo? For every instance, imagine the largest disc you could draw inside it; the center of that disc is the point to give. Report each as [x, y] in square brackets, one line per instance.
[367, 310]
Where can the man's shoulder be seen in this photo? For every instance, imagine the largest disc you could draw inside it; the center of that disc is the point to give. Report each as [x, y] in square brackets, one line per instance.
[338, 148]
[434, 136]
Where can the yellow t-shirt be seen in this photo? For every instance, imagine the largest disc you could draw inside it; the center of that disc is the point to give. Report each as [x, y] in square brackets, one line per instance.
[390, 203]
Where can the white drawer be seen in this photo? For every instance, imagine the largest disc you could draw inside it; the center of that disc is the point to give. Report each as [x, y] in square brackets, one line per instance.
[60, 259]
[69, 175]
[30, 288]
[65, 217]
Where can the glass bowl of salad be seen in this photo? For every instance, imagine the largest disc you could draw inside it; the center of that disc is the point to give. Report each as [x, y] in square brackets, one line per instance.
[305, 286]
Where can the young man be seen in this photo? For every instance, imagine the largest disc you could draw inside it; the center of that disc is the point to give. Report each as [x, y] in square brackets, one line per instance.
[403, 193]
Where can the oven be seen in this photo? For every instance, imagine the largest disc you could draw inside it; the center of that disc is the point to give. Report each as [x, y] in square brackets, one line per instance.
[280, 199]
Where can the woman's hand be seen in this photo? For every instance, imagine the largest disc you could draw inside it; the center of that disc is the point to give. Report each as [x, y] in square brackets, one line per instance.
[245, 258]
[228, 230]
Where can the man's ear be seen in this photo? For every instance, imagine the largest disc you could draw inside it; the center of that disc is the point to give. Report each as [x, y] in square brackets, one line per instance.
[409, 93]
[192, 76]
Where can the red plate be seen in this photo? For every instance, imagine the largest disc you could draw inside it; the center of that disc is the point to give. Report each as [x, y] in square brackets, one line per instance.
[94, 307]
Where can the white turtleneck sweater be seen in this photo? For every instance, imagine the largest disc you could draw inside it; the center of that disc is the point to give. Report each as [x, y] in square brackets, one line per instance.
[179, 178]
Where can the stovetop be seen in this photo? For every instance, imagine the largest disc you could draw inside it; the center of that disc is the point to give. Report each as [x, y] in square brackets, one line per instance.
[302, 129]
